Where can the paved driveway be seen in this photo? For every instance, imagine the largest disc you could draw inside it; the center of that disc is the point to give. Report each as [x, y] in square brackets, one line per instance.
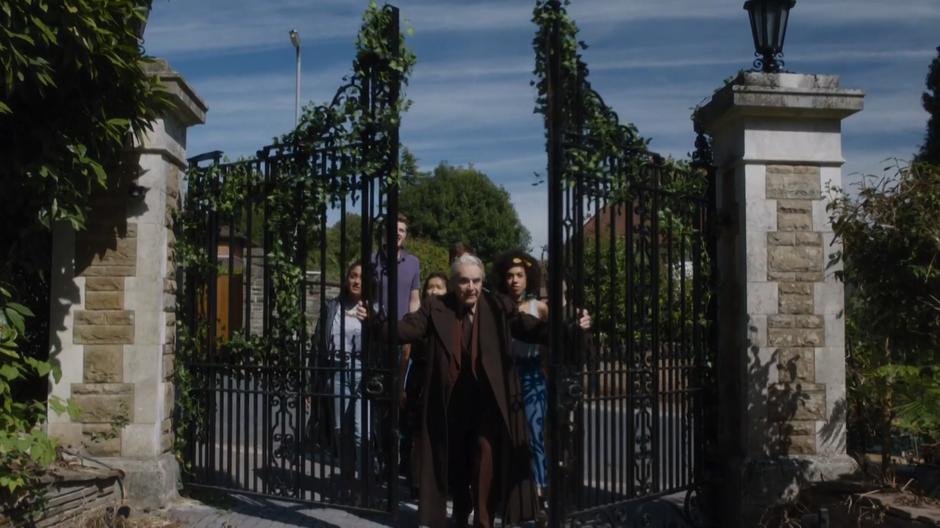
[251, 512]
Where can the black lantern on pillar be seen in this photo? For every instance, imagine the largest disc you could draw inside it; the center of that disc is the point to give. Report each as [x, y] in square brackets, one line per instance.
[769, 27]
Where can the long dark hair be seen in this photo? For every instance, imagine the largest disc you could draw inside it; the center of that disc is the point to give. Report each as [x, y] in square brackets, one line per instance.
[435, 275]
[511, 259]
[344, 287]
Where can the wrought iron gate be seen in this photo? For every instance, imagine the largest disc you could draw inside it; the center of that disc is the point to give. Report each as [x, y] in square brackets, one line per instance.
[629, 240]
[264, 244]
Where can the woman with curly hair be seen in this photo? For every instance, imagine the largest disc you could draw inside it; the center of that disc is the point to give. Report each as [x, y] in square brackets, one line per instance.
[518, 275]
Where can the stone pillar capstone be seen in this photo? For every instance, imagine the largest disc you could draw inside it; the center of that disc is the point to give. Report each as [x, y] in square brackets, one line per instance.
[777, 148]
[114, 309]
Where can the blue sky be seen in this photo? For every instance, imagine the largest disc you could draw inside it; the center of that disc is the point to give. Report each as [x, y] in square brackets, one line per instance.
[652, 60]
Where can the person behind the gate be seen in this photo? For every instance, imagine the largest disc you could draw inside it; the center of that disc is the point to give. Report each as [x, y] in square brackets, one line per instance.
[408, 299]
[517, 275]
[340, 331]
[474, 437]
[408, 296]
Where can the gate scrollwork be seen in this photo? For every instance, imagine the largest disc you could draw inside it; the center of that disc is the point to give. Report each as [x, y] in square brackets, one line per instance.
[260, 252]
[628, 241]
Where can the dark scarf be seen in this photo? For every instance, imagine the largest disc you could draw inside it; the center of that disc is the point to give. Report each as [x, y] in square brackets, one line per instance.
[456, 359]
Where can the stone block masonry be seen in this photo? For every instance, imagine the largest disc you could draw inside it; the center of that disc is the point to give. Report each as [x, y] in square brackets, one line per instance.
[106, 253]
[115, 311]
[795, 261]
[777, 145]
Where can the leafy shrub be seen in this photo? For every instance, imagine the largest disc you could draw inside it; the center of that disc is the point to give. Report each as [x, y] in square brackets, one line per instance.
[25, 449]
[891, 267]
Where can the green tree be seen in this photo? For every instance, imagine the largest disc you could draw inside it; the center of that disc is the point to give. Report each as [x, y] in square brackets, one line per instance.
[890, 264]
[409, 167]
[930, 150]
[433, 256]
[462, 204]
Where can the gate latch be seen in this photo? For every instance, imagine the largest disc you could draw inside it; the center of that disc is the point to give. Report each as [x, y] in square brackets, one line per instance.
[374, 386]
[571, 392]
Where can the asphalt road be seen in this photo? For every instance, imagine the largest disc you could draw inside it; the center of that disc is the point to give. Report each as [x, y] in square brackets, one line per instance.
[257, 451]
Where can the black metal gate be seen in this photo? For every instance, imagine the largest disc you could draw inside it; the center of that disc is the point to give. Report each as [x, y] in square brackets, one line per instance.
[268, 405]
[629, 240]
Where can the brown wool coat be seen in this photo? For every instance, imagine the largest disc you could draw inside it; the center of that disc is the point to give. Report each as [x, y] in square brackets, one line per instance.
[436, 324]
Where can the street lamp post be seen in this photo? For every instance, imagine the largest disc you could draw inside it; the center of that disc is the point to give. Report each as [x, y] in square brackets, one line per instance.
[295, 40]
[769, 28]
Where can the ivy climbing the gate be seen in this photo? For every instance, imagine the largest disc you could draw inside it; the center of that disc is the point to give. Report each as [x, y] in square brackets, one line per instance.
[360, 127]
[598, 141]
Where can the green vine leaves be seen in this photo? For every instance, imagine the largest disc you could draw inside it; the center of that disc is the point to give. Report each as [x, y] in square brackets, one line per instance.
[602, 142]
[608, 157]
[599, 150]
[369, 107]
[359, 127]
[25, 449]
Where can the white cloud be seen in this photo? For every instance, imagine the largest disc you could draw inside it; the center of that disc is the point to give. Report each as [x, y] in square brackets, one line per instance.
[610, 60]
[521, 164]
[865, 55]
[887, 114]
[861, 163]
[230, 26]
[472, 68]
[246, 111]
[842, 12]
[531, 204]
[453, 106]
[434, 142]
[472, 100]
[817, 12]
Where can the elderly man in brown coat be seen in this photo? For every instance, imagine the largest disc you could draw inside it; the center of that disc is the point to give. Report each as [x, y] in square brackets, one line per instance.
[473, 442]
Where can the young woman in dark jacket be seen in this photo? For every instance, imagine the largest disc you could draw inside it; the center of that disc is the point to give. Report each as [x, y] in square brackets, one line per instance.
[337, 362]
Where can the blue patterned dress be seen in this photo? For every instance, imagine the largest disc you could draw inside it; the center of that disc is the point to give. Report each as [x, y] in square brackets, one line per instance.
[535, 395]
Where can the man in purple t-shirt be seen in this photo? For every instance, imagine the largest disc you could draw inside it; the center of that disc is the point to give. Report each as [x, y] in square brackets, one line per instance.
[408, 300]
[409, 275]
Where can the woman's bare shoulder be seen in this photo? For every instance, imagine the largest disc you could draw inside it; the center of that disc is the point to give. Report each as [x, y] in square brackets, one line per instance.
[540, 306]
[543, 309]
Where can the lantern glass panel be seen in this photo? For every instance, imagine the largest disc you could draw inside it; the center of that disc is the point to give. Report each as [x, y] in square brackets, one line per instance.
[754, 29]
[782, 29]
[772, 25]
[758, 14]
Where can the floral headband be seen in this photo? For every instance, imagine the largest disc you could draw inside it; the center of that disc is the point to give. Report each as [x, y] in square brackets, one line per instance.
[521, 261]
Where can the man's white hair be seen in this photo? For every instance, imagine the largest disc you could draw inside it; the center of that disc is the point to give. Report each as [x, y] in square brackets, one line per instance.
[465, 260]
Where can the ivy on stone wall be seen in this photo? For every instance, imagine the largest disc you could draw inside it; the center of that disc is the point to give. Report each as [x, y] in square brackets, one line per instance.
[74, 92]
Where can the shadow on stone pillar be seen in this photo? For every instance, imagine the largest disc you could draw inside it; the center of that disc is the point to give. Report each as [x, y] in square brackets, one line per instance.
[113, 309]
[777, 147]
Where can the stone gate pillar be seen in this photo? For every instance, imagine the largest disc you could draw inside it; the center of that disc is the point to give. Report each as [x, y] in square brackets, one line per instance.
[113, 309]
[778, 146]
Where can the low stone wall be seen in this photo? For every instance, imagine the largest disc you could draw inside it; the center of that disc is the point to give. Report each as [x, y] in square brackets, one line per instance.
[897, 510]
[77, 495]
